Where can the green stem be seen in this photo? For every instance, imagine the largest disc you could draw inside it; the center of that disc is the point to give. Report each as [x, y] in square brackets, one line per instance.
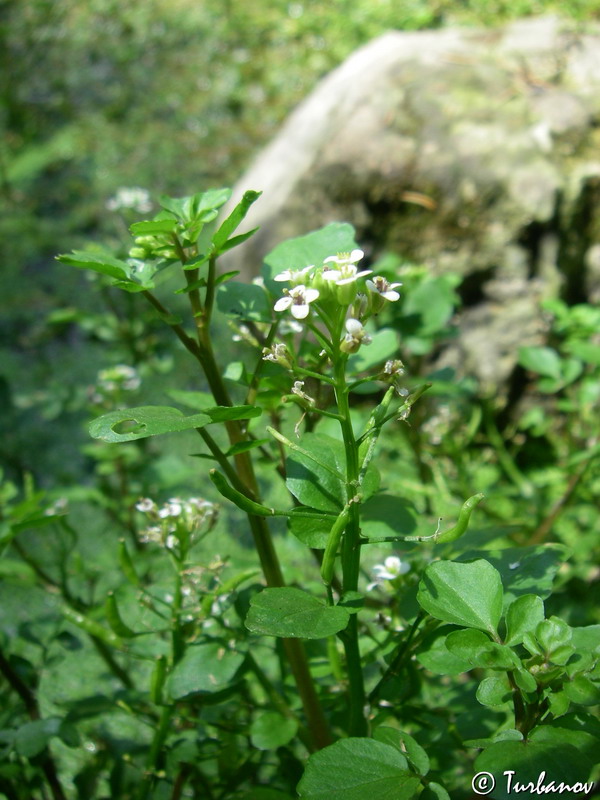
[30, 702]
[351, 551]
[262, 539]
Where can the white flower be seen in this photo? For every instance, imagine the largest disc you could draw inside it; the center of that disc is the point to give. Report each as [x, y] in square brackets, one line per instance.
[145, 505]
[133, 197]
[279, 354]
[173, 508]
[355, 336]
[171, 542]
[343, 259]
[345, 270]
[393, 367]
[384, 288]
[297, 299]
[298, 389]
[392, 568]
[294, 276]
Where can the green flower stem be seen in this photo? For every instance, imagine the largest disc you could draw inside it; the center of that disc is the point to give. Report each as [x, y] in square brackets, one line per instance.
[307, 373]
[350, 548]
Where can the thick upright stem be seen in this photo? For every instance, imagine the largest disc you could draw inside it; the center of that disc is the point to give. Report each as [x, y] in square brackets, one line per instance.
[261, 533]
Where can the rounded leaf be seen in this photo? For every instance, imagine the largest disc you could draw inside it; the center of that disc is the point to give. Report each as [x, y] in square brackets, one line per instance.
[355, 769]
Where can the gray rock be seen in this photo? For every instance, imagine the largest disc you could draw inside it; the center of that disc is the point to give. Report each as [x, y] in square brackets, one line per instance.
[472, 151]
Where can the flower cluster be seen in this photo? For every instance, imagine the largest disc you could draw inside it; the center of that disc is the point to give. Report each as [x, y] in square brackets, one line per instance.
[133, 198]
[112, 381]
[176, 519]
[336, 282]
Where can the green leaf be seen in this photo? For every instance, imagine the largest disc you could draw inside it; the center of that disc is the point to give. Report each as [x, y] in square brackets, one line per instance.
[541, 360]
[438, 659]
[463, 594]
[525, 680]
[494, 691]
[290, 612]
[536, 763]
[355, 769]
[434, 791]
[148, 421]
[244, 447]
[233, 220]
[245, 301]
[524, 570]
[522, 616]
[312, 531]
[153, 227]
[432, 302]
[310, 478]
[586, 351]
[580, 730]
[198, 401]
[271, 730]
[204, 669]
[387, 515]
[476, 648]
[384, 346]
[103, 263]
[32, 737]
[582, 691]
[552, 633]
[202, 206]
[406, 745]
[313, 248]
[586, 639]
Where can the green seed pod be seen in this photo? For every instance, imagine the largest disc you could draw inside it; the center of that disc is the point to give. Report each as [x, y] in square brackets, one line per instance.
[157, 680]
[463, 520]
[90, 626]
[126, 564]
[239, 499]
[114, 618]
[333, 542]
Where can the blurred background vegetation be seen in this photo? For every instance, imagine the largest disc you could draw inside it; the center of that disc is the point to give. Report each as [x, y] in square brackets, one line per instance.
[172, 97]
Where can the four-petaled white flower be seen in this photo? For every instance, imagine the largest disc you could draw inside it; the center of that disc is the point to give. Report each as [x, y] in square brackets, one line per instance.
[384, 288]
[392, 568]
[344, 270]
[343, 259]
[297, 300]
[294, 276]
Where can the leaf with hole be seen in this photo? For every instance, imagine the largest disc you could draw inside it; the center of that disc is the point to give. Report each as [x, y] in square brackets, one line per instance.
[127, 425]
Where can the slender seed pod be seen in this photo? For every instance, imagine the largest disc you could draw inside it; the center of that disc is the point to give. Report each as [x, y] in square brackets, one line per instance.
[92, 627]
[335, 536]
[114, 619]
[157, 680]
[463, 520]
[126, 564]
[237, 498]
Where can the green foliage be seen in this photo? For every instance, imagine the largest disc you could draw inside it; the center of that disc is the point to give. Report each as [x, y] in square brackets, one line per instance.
[137, 659]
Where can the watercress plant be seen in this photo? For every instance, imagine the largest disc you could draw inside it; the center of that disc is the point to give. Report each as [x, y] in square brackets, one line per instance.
[208, 672]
